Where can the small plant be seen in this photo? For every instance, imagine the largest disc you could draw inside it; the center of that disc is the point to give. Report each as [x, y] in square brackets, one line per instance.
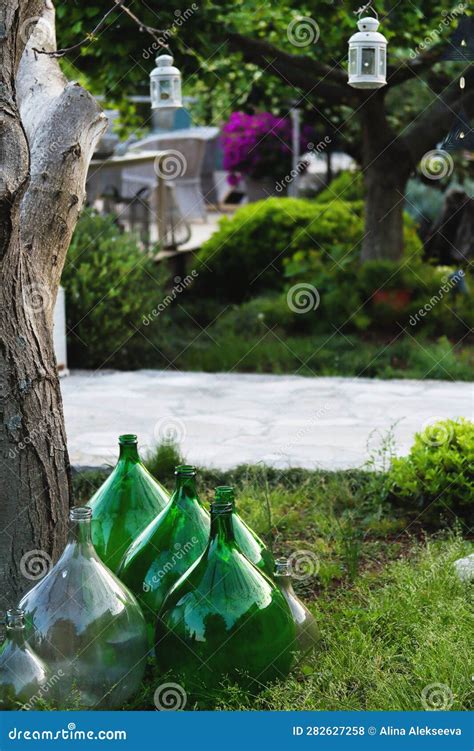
[163, 461]
[437, 477]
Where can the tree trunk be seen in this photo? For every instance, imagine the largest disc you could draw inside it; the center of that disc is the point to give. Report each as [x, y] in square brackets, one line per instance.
[48, 131]
[387, 165]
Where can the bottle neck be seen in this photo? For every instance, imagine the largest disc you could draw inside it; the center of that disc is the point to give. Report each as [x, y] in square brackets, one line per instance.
[225, 494]
[185, 488]
[282, 575]
[16, 635]
[222, 529]
[80, 525]
[15, 627]
[128, 449]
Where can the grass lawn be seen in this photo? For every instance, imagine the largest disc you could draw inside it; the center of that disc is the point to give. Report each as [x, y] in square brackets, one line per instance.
[221, 348]
[393, 618]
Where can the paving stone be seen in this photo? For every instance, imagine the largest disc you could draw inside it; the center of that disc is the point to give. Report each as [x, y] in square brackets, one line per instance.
[222, 419]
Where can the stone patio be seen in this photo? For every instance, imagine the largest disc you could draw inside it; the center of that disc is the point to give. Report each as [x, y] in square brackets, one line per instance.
[222, 420]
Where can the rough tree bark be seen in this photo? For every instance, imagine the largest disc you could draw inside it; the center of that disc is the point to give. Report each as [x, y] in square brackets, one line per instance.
[48, 132]
[386, 165]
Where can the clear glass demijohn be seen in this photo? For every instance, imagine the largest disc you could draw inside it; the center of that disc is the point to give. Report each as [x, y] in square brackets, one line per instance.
[23, 675]
[86, 625]
[305, 623]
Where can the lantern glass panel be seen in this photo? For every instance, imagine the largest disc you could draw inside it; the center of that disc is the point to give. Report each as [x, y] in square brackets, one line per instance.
[368, 61]
[353, 61]
[165, 89]
[382, 61]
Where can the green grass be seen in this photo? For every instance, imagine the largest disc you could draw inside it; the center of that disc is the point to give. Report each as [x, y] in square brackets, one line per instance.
[398, 630]
[221, 349]
[393, 619]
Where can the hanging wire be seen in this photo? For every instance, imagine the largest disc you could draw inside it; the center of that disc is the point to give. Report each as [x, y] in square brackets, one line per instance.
[364, 9]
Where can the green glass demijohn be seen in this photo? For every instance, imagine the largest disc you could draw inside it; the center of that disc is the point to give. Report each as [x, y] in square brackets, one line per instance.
[250, 544]
[86, 625]
[224, 619]
[167, 547]
[23, 675]
[305, 623]
[125, 504]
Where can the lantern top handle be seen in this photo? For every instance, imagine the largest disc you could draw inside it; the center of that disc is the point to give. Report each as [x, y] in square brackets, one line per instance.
[364, 8]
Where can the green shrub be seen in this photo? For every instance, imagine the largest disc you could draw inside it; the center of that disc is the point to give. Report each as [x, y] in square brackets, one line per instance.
[163, 461]
[263, 241]
[246, 256]
[381, 296]
[110, 285]
[347, 186]
[437, 476]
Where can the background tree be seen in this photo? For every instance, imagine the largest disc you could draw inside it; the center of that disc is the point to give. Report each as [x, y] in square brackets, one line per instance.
[226, 46]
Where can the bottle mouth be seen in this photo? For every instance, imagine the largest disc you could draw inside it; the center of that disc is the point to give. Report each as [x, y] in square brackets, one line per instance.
[15, 618]
[185, 470]
[281, 567]
[221, 508]
[128, 439]
[224, 493]
[80, 513]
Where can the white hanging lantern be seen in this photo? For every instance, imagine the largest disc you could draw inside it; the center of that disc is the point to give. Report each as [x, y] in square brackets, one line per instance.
[367, 56]
[165, 85]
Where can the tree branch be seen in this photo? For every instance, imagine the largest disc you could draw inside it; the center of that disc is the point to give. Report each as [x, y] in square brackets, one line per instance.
[119, 5]
[435, 123]
[63, 123]
[411, 68]
[301, 71]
